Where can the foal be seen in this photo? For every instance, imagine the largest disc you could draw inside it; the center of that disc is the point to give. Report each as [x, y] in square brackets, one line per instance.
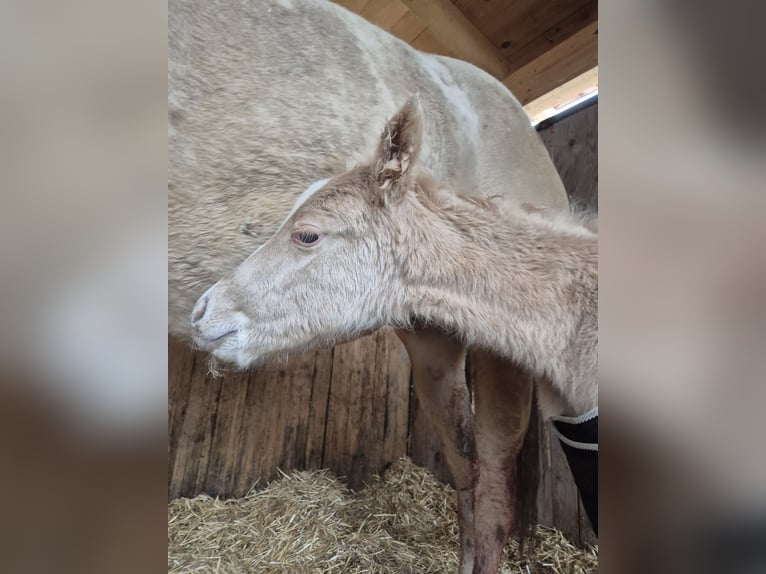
[385, 244]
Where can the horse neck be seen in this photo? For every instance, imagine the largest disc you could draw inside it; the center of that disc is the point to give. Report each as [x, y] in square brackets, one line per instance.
[516, 285]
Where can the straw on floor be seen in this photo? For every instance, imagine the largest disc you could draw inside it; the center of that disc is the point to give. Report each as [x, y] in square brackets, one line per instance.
[308, 522]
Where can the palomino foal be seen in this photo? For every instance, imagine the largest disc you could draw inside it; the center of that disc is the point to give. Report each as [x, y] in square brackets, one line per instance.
[385, 244]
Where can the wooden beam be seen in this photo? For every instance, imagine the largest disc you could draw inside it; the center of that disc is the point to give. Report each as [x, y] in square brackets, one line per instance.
[355, 6]
[408, 27]
[384, 13]
[559, 31]
[453, 30]
[537, 110]
[427, 42]
[563, 62]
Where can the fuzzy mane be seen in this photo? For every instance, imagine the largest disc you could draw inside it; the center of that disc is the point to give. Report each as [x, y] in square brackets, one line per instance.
[460, 209]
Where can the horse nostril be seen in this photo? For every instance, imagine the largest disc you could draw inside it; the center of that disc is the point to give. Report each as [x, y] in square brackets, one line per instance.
[199, 310]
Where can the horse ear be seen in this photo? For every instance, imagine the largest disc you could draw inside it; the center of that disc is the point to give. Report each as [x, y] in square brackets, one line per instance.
[398, 148]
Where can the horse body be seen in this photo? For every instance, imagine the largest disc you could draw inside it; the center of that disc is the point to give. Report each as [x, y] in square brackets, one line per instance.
[265, 98]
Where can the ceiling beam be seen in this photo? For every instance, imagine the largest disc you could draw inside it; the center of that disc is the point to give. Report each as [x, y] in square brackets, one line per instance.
[538, 109]
[355, 6]
[563, 62]
[384, 13]
[427, 42]
[453, 30]
[408, 27]
[556, 33]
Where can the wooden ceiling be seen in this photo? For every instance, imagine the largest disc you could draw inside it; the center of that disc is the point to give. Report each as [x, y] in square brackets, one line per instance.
[545, 51]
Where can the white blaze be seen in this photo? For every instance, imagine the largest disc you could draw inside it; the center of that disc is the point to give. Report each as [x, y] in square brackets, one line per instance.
[303, 197]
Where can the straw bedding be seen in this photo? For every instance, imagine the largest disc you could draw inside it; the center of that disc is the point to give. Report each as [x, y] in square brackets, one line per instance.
[308, 522]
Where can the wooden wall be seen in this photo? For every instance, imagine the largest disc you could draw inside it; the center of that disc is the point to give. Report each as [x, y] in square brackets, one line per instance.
[349, 409]
[573, 144]
[346, 409]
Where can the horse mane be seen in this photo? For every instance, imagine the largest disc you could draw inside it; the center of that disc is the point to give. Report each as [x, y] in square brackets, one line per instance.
[440, 198]
[459, 207]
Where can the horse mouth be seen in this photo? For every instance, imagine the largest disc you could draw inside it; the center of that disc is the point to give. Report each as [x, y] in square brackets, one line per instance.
[207, 343]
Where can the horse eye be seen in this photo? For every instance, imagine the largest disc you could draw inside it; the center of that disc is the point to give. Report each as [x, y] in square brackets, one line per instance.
[306, 237]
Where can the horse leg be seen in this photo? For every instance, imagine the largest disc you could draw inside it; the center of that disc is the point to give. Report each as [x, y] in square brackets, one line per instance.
[502, 401]
[438, 374]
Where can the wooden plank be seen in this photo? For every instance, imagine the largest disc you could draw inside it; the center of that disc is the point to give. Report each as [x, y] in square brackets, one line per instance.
[560, 26]
[510, 26]
[318, 401]
[498, 20]
[367, 413]
[180, 366]
[573, 146]
[454, 31]
[226, 438]
[557, 497]
[557, 66]
[427, 42]
[545, 106]
[355, 6]
[384, 13]
[408, 27]
[276, 418]
[191, 436]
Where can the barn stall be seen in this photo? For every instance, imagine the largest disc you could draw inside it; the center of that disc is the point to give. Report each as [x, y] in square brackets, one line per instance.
[351, 409]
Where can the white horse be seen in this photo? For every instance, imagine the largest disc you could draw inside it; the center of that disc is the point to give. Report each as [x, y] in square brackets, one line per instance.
[266, 97]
